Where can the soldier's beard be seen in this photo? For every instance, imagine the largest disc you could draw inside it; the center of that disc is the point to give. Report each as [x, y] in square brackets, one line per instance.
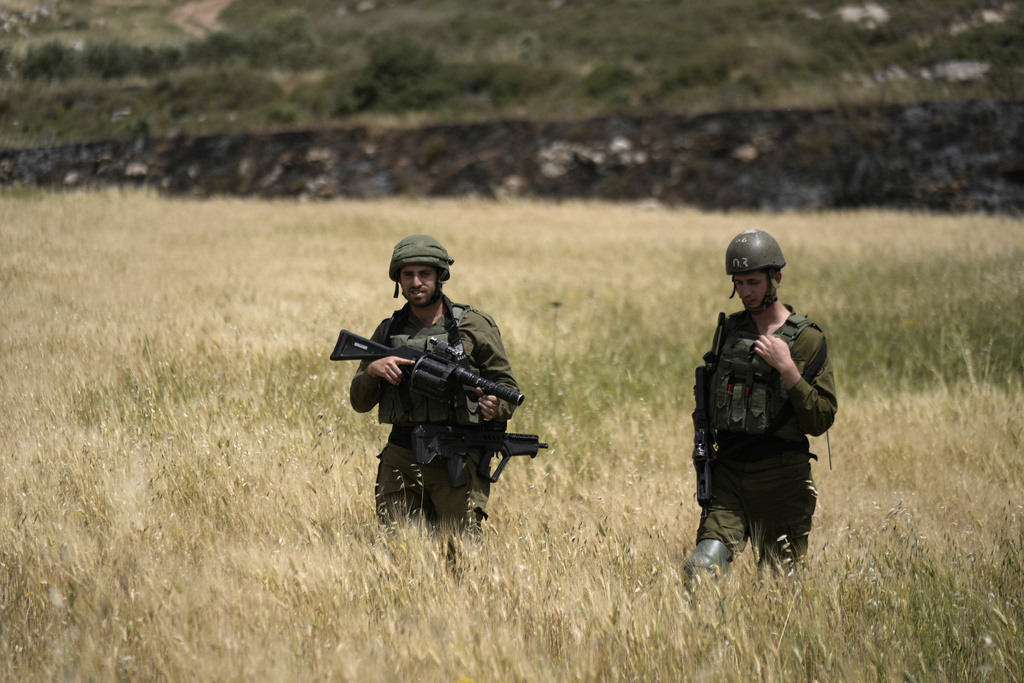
[434, 297]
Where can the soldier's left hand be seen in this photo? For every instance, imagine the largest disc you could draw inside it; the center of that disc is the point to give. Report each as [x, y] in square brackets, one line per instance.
[775, 353]
[487, 405]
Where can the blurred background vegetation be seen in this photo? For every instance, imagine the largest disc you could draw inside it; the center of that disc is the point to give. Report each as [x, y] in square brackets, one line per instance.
[74, 71]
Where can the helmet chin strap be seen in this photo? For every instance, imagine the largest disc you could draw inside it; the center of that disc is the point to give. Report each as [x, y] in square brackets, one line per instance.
[437, 293]
[771, 295]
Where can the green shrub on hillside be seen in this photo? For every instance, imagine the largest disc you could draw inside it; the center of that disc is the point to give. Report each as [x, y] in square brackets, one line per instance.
[50, 61]
[218, 49]
[153, 60]
[692, 74]
[227, 90]
[608, 81]
[401, 75]
[284, 39]
[504, 84]
[110, 60]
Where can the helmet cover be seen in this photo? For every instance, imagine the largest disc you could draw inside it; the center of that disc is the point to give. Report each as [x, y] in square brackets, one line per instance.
[420, 249]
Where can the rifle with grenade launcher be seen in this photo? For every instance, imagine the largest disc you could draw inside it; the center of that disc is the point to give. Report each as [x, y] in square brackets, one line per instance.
[439, 374]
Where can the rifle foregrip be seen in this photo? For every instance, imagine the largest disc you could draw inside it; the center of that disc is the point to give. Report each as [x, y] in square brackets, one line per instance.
[700, 388]
[490, 388]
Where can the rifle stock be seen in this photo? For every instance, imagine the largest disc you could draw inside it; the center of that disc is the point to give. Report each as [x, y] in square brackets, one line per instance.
[353, 347]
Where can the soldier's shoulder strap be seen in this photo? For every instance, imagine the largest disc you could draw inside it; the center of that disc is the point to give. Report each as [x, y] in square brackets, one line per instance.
[792, 328]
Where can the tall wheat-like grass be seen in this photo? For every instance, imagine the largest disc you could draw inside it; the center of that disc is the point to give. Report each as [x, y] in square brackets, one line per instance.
[187, 494]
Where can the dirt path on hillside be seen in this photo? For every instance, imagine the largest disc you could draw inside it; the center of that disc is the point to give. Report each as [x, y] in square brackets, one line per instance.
[200, 17]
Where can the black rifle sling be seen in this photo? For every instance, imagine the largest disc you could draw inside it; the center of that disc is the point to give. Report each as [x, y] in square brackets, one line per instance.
[398, 320]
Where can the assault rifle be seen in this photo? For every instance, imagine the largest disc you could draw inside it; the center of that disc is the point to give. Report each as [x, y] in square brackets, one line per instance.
[703, 448]
[437, 373]
[703, 442]
[453, 443]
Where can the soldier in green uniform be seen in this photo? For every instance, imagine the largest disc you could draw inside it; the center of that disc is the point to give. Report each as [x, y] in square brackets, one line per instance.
[771, 384]
[404, 489]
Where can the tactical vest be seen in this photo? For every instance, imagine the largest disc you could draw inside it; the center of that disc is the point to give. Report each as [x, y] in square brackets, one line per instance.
[748, 393]
[398, 405]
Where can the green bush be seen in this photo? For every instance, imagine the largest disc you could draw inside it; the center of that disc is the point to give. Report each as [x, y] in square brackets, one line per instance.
[285, 112]
[343, 103]
[693, 75]
[159, 59]
[608, 81]
[110, 60]
[401, 75]
[51, 61]
[501, 83]
[220, 48]
[284, 39]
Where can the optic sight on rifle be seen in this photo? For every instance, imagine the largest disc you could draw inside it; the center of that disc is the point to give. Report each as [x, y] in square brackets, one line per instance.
[437, 373]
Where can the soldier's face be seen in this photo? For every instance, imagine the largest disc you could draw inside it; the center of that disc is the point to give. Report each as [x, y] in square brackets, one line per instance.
[751, 288]
[419, 282]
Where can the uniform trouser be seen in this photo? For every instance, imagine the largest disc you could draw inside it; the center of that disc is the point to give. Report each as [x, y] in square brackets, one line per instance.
[769, 502]
[407, 490]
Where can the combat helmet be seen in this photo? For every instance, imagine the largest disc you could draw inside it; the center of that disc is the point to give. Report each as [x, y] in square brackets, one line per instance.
[753, 250]
[420, 249]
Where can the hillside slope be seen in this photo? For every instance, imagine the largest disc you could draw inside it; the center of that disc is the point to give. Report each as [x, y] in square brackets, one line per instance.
[115, 69]
[940, 156]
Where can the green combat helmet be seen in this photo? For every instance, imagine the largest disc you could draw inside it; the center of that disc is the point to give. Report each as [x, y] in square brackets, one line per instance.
[755, 250]
[420, 249]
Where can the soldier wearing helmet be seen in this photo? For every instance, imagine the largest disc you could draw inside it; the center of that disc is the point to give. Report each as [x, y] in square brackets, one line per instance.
[770, 385]
[419, 266]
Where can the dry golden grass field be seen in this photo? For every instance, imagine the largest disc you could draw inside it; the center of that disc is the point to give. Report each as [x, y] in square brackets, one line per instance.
[186, 494]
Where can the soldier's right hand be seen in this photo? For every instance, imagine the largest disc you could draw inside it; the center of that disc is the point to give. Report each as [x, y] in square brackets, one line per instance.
[388, 369]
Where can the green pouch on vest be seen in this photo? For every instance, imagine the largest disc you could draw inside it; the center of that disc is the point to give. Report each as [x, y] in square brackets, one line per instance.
[748, 391]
